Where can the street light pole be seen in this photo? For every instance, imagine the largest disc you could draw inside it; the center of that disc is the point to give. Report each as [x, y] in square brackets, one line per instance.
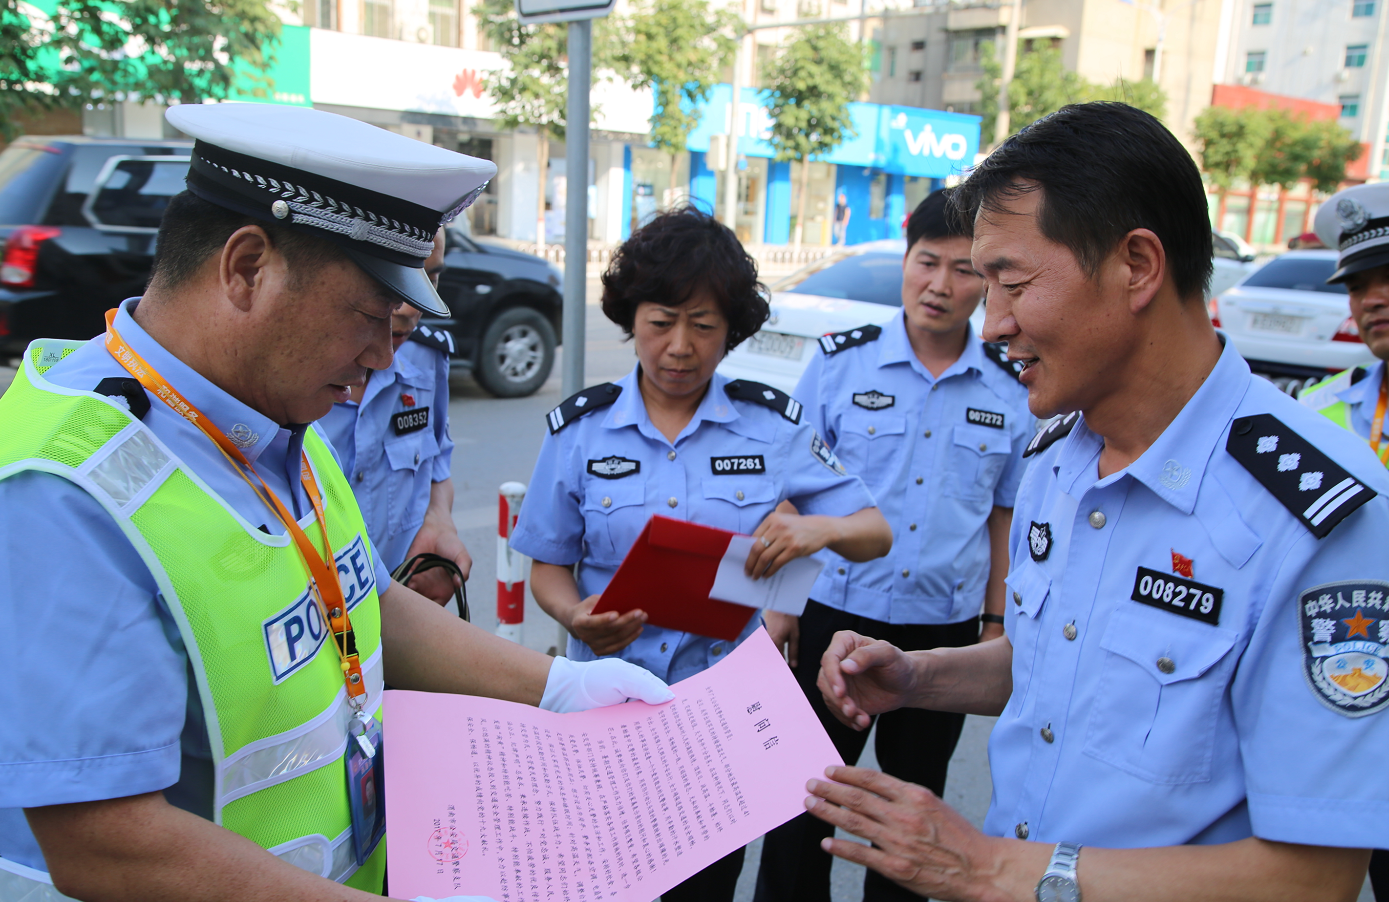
[1010, 63]
[576, 204]
[735, 122]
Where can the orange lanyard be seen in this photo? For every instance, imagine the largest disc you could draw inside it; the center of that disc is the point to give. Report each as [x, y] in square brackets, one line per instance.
[323, 577]
[1377, 426]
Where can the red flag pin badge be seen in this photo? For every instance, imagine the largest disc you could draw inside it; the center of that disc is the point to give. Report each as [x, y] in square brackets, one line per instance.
[1181, 565]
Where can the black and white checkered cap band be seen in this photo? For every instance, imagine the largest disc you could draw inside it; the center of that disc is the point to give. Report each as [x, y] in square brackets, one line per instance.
[370, 221]
[1376, 230]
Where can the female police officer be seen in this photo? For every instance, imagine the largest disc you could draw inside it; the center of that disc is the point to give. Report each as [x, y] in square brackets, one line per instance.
[660, 441]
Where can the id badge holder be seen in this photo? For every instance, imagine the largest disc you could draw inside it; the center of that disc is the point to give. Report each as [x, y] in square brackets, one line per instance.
[365, 790]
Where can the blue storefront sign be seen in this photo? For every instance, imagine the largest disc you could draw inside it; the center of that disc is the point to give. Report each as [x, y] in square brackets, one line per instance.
[891, 144]
[900, 140]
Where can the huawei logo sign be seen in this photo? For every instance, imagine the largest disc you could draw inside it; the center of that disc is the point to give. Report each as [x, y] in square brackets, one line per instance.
[467, 81]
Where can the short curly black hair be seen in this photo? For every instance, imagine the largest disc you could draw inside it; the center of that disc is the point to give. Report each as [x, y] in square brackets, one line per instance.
[681, 253]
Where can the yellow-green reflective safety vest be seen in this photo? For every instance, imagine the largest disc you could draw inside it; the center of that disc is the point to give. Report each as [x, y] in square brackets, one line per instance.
[270, 683]
[1322, 397]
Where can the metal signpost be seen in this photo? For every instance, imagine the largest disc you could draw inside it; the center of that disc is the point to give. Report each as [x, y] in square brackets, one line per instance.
[579, 14]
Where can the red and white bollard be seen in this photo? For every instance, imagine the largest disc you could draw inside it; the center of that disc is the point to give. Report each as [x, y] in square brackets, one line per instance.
[511, 565]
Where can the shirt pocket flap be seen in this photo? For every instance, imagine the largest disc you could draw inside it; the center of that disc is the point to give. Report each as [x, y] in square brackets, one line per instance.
[874, 424]
[610, 495]
[407, 452]
[740, 490]
[1169, 651]
[1028, 588]
[982, 439]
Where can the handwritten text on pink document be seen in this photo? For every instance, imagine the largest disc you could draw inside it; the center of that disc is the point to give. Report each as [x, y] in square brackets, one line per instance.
[497, 799]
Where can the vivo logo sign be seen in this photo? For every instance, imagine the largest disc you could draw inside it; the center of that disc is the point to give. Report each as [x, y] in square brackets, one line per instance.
[926, 143]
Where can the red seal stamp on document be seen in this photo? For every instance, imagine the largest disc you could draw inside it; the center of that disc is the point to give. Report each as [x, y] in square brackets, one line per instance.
[446, 846]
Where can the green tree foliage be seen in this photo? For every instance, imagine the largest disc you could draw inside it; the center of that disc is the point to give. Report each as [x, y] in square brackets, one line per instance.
[1042, 85]
[810, 84]
[91, 51]
[677, 49]
[1272, 147]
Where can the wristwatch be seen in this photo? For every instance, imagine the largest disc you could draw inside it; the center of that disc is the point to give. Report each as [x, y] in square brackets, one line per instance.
[1059, 884]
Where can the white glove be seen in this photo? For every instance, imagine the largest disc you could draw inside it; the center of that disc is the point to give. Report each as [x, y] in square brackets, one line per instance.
[580, 685]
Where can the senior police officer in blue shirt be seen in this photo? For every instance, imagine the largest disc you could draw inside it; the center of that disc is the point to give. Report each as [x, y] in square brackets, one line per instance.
[392, 438]
[935, 421]
[135, 549]
[675, 438]
[1192, 684]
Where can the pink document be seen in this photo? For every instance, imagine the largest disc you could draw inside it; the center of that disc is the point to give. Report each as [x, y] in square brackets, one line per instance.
[492, 798]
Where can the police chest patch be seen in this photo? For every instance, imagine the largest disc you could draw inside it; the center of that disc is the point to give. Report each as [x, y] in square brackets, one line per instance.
[294, 636]
[874, 400]
[730, 466]
[984, 418]
[1177, 595]
[410, 420]
[824, 455]
[1039, 540]
[1345, 645]
[613, 467]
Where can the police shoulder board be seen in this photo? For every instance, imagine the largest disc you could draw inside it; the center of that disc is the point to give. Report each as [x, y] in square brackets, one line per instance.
[595, 397]
[1309, 484]
[835, 342]
[439, 339]
[127, 393]
[997, 351]
[771, 398]
[1051, 433]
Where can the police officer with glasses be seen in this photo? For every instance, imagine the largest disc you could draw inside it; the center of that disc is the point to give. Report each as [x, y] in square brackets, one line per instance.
[935, 421]
[392, 438]
[1194, 664]
[197, 627]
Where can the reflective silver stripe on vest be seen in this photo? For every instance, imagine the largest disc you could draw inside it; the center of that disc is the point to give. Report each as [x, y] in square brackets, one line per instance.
[21, 884]
[127, 467]
[335, 859]
[287, 755]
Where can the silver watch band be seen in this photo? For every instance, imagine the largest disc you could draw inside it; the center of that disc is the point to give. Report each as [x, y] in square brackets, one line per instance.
[1063, 860]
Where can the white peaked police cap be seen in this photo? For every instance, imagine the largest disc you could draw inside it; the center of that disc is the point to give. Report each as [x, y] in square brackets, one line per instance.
[378, 195]
[1356, 222]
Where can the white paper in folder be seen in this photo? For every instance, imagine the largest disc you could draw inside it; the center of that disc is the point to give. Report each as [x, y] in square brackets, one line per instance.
[785, 591]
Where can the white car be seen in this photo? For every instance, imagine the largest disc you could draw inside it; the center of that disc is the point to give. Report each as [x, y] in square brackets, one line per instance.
[1288, 323]
[1233, 260]
[856, 286]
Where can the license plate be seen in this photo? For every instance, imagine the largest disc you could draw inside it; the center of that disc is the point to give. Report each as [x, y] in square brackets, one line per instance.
[776, 344]
[1270, 322]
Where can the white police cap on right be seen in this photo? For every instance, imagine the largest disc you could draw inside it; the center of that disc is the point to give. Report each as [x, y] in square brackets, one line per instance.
[1356, 222]
[378, 195]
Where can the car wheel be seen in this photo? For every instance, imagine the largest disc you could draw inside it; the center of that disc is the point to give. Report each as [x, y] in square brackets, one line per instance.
[516, 354]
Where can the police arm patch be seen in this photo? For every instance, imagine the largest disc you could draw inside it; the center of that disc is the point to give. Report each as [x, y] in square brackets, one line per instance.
[590, 399]
[1308, 483]
[824, 455]
[1344, 628]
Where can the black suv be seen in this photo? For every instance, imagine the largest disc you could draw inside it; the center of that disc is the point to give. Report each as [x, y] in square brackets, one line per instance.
[78, 220]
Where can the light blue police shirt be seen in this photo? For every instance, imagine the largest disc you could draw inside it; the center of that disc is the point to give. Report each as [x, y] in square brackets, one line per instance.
[1133, 725]
[571, 515]
[938, 453]
[391, 471]
[102, 702]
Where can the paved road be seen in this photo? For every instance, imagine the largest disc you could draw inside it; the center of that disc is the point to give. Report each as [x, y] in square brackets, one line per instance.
[498, 440]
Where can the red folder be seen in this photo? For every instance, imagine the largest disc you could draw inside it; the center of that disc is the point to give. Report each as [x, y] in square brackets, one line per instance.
[668, 574]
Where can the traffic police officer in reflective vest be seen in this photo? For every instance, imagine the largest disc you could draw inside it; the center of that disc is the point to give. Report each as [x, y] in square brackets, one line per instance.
[1192, 686]
[392, 437]
[935, 421]
[1354, 221]
[197, 627]
[1357, 222]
